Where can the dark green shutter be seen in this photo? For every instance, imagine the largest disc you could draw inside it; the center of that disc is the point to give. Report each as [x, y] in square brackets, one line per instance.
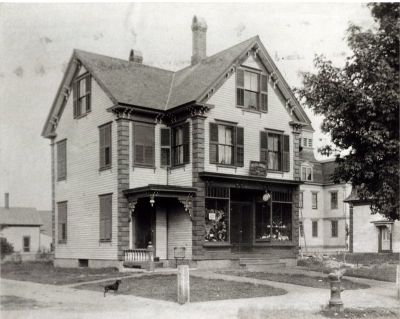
[263, 146]
[165, 146]
[75, 98]
[239, 146]
[239, 87]
[89, 92]
[264, 93]
[213, 143]
[286, 154]
[186, 142]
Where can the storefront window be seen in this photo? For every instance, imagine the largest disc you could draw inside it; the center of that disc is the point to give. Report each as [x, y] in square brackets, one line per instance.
[216, 220]
[274, 223]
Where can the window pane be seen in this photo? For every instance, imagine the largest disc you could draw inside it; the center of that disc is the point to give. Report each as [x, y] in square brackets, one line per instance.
[216, 220]
[263, 221]
[281, 221]
[250, 99]
[82, 87]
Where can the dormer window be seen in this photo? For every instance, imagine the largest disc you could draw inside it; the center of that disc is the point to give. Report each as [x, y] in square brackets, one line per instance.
[82, 92]
[306, 173]
[251, 90]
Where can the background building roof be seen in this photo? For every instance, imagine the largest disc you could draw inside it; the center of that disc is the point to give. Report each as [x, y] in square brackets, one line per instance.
[20, 216]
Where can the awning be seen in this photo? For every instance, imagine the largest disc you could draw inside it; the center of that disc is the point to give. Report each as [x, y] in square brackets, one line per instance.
[181, 193]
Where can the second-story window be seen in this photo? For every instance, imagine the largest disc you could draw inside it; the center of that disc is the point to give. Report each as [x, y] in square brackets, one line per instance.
[274, 151]
[226, 144]
[143, 144]
[252, 90]
[334, 200]
[180, 144]
[82, 95]
[301, 199]
[314, 203]
[306, 173]
[105, 146]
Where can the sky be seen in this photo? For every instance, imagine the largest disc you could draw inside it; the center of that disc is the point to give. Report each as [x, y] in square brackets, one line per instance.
[37, 40]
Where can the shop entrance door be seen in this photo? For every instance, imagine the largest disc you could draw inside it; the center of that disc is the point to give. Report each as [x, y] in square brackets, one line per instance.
[241, 225]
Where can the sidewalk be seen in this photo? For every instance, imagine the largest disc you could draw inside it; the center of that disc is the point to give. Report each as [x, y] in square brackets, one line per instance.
[68, 302]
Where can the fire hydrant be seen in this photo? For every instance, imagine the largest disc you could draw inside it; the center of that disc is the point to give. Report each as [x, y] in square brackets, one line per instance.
[335, 302]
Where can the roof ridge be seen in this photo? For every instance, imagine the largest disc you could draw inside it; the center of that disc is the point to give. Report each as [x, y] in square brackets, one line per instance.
[122, 60]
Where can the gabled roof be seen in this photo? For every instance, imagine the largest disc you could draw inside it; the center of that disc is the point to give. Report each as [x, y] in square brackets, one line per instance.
[129, 83]
[135, 84]
[21, 216]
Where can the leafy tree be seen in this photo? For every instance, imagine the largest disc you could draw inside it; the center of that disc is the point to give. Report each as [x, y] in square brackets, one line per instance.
[5, 247]
[360, 104]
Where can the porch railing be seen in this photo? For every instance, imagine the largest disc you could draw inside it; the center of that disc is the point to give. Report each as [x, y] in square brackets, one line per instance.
[139, 254]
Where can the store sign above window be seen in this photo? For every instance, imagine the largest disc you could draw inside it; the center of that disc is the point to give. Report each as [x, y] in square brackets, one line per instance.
[258, 168]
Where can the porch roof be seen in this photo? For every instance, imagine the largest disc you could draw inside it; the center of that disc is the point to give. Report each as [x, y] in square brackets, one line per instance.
[160, 190]
[244, 178]
[382, 222]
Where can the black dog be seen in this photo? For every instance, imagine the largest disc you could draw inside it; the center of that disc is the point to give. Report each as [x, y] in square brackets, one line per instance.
[113, 286]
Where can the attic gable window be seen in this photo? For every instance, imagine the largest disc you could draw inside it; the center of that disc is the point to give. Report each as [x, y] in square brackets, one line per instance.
[82, 88]
[251, 90]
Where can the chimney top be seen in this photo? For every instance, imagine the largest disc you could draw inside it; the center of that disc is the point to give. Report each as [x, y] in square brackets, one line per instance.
[199, 39]
[199, 23]
[135, 56]
[7, 200]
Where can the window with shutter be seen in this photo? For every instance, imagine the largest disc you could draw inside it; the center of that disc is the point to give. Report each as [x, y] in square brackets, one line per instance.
[226, 144]
[143, 144]
[105, 217]
[165, 134]
[181, 144]
[82, 90]
[62, 221]
[275, 151]
[62, 160]
[105, 146]
[251, 90]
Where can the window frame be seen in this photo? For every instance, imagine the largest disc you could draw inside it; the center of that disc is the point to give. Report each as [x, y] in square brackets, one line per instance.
[261, 93]
[26, 249]
[87, 96]
[314, 228]
[103, 147]
[307, 168]
[105, 236]
[334, 230]
[301, 199]
[62, 177]
[62, 224]
[334, 204]
[314, 205]
[184, 144]
[283, 153]
[145, 163]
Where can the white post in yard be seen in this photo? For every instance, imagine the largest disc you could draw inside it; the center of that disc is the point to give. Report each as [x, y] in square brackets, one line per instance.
[183, 284]
[398, 281]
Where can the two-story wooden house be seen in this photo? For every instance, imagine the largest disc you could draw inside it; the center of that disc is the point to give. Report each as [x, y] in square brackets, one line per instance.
[203, 162]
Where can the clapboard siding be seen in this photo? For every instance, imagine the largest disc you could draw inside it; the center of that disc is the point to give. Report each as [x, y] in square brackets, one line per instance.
[85, 182]
[179, 231]
[225, 108]
[161, 233]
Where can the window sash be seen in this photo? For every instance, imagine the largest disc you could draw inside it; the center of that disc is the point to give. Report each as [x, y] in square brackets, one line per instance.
[275, 151]
[334, 200]
[180, 144]
[334, 228]
[26, 243]
[314, 200]
[62, 160]
[82, 95]
[144, 144]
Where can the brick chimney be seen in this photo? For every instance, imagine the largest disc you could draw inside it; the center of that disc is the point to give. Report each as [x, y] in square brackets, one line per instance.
[135, 56]
[7, 200]
[199, 39]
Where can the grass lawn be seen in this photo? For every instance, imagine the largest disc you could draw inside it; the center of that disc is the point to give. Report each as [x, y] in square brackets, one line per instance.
[383, 272]
[297, 279]
[46, 273]
[164, 287]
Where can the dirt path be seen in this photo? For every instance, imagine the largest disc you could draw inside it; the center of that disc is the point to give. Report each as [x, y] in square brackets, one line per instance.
[49, 301]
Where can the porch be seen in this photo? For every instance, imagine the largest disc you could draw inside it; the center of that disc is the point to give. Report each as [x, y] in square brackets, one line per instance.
[160, 225]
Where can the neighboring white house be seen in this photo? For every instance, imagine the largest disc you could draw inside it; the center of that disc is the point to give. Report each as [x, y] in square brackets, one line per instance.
[371, 233]
[22, 227]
